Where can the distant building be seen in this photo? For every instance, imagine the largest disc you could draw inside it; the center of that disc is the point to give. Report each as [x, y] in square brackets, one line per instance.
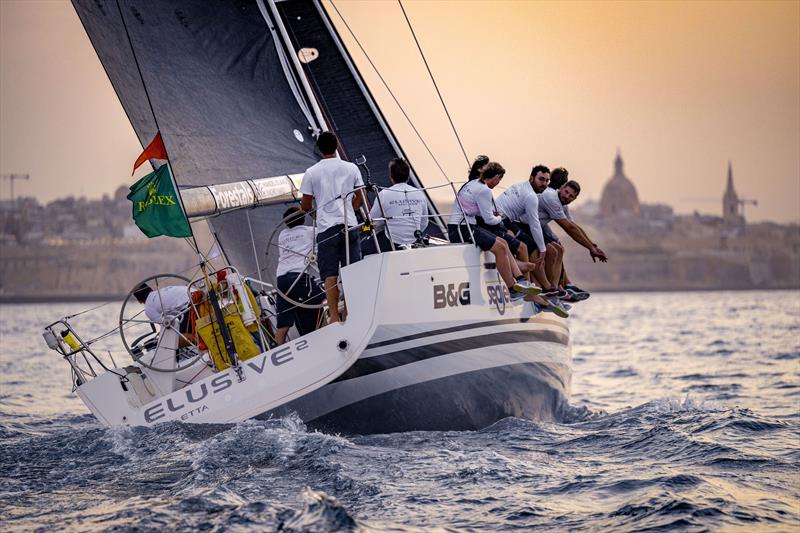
[731, 215]
[619, 198]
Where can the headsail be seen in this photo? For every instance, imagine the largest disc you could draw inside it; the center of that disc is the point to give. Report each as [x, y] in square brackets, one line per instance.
[225, 109]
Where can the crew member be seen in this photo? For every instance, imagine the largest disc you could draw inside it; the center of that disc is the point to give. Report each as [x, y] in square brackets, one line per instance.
[402, 208]
[167, 306]
[295, 244]
[553, 205]
[475, 199]
[331, 184]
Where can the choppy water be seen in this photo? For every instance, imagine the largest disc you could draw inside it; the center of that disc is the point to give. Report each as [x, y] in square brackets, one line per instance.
[686, 416]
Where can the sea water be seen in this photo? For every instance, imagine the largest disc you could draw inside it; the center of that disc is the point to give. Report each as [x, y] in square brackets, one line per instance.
[685, 415]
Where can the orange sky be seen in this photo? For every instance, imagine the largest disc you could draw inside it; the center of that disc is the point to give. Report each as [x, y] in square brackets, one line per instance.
[680, 87]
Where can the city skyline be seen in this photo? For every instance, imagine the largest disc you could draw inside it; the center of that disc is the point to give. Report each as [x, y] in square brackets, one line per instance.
[680, 103]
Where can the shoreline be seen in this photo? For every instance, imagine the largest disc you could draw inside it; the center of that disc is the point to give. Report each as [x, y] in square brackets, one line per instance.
[82, 298]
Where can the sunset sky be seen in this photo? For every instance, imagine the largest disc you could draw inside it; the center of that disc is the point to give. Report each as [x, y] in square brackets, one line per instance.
[680, 88]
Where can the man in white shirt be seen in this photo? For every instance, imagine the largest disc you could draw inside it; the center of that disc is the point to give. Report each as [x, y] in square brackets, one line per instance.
[295, 244]
[519, 205]
[330, 184]
[553, 206]
[402, 208]
[168, 306]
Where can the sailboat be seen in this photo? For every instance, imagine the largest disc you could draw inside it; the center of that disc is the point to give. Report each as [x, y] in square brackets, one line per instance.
[238, 90]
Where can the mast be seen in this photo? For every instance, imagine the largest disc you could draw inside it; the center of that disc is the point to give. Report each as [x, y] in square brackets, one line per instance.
[387, 130]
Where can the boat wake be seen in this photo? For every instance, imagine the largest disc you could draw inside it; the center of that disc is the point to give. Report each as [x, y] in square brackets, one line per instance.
[689, 459]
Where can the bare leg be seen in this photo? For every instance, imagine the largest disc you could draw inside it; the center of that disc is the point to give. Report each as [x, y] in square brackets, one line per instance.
[280, 336]
[539, 272]
[553, 260]
[524, 257]
[332, 296]
[501, 257]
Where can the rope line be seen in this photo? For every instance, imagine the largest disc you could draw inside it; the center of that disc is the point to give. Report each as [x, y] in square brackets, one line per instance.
[460, 144]
[386, 85]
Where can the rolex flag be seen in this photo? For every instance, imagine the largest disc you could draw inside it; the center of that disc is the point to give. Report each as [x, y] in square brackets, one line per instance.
[156, 206]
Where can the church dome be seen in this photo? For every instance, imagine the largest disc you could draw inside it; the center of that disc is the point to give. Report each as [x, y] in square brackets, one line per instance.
[619, 195]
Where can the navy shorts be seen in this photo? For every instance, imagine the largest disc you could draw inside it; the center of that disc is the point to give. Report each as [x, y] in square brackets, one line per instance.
[523, 233]
[484, 239]
[306, 290]
[331, 250]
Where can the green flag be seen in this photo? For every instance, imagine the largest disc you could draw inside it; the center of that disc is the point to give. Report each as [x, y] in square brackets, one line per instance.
[156, 207]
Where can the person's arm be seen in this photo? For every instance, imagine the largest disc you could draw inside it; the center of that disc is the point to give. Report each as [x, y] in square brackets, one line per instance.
[532, 213]
[306, 204]
[579, 236]
[486, 207]
[359, 198]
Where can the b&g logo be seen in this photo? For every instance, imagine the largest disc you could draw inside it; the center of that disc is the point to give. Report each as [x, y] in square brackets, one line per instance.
[449, 296]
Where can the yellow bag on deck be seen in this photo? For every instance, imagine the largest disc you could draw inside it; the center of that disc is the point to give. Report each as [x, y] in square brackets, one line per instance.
[212, 336]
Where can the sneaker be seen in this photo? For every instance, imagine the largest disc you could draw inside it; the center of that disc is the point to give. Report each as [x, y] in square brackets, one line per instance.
[554, 292]
[577, 294]
[526, 287]
[516, 294]
[556, 309]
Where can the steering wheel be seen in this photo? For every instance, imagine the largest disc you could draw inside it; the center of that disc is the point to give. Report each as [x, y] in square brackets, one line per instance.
[133, 321]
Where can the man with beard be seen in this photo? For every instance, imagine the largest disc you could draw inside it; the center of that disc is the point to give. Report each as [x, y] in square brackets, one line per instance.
[553, 206]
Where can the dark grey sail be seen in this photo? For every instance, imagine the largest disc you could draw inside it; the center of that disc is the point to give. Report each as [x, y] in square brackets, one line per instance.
[222, 101]
[226, 95]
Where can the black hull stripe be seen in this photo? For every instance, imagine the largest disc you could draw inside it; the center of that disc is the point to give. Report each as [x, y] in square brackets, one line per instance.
[453, 329]
[379, 363]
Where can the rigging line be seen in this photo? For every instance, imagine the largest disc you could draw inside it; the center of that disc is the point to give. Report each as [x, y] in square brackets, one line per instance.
[434, 81]
[386, 85]
[138, 69]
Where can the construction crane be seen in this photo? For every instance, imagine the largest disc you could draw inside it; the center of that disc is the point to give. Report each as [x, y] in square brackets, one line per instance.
[12, 178]
[743, 202]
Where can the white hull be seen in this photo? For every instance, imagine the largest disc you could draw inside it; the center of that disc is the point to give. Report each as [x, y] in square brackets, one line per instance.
[427, 345]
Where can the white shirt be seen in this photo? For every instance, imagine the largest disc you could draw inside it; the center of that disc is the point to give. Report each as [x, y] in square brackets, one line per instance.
[294, 245]
[166, 302]
[521, 204]
[475, 199]
[550, 207]
[406, 209]
[328, 182]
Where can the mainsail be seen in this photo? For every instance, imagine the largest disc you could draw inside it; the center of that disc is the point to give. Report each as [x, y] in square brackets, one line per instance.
[214, 79]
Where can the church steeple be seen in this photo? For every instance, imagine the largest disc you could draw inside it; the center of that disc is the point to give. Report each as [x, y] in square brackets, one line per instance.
[730, 201]
[729, 190]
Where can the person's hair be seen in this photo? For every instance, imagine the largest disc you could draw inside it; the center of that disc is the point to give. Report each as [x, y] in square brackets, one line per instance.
[477, 165]
[575, 186]
[327, 143]
[491, 170]
[558, 177]
[539, 168]
[294, 216]
[399, 170]
[141, 292]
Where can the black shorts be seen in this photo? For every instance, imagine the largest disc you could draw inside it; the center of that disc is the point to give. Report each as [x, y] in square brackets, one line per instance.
[306, 290]
[500, 230]
[331, 250]
[460, 233]
[522, 232]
